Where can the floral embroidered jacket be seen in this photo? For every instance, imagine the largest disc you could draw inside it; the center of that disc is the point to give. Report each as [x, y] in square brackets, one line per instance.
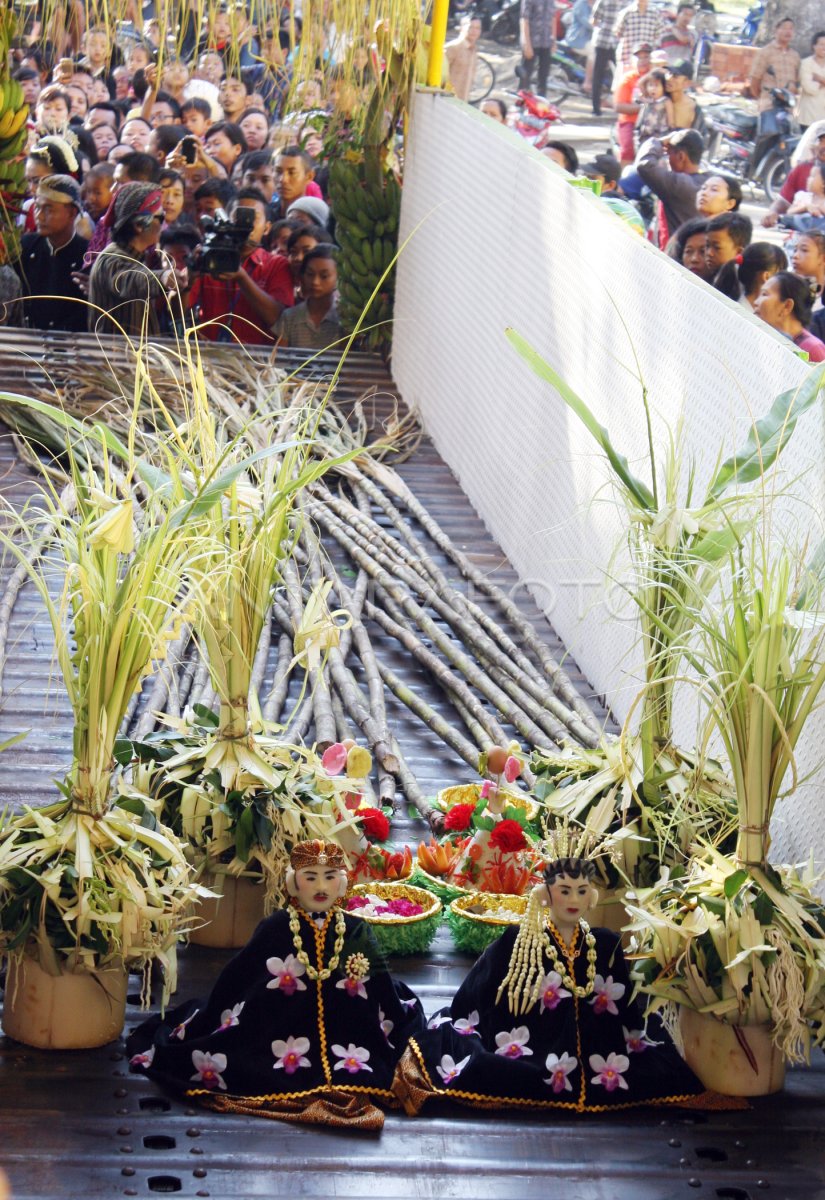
[581, 1053]
[271, 1039]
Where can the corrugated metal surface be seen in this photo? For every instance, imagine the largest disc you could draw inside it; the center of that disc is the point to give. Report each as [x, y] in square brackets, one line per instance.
[78, 1126]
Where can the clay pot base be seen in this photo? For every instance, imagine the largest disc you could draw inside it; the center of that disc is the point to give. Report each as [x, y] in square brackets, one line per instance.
[230, 921]
[71, 1011]
[733, 1060]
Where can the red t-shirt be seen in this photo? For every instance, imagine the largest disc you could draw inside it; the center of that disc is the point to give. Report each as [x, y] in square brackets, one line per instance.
[624, 94]
[797, 181]
[222, 302]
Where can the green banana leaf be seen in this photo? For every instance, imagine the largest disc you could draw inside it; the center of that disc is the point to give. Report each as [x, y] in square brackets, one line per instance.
[768, 436]
[639, 490]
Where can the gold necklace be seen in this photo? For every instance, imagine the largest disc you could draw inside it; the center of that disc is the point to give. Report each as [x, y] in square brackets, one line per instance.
[301, 954]
[565, 968]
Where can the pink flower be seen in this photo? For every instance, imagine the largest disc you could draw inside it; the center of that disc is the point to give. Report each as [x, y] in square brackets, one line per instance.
[208, 1069]
[143, 1060]
[334, 759]
[356, 902]
[352, 1060]
[230, 1017]
[287, 972]
[487, 789]
[605, 995]
[386, 1027]
[467, 1025]
[179, 1031]
[514, 1043]
[559, 1069]
[353, 987]
[290, 1055]
[512, 769]
[436, 1021]
[610, 1071]
[637, 1041]
[449, 1069]
[551, 991]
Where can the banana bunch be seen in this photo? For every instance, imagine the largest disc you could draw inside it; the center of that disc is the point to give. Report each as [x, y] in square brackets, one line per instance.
[366, 226]
[14, 113]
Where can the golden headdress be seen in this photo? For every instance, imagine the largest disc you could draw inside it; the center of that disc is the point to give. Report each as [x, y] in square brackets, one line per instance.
[317, 853]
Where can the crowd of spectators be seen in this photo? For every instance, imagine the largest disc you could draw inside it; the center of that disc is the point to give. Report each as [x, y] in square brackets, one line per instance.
[168, 191]
[190, 193]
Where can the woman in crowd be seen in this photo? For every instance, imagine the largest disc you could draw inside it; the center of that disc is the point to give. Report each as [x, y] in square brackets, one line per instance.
[718, 194]
[785, 303]
[687, 246]
[743, 278]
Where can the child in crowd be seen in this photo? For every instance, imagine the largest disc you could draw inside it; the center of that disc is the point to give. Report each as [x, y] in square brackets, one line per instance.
[728, 235]
[313, 324]
[808, 261]
[171, 185]
[743, 278]
[300, 243]
[654, 115]
[807, 209]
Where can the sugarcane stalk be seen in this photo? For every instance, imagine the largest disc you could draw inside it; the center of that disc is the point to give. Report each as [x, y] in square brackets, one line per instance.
[321, 701]
[545, 710]
[162, 684]
[561, 682]
[274, 702]
[261, 659]
[432, 719]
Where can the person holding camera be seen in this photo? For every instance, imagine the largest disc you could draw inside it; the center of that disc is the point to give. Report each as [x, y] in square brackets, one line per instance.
[124, 291]
[242, 304]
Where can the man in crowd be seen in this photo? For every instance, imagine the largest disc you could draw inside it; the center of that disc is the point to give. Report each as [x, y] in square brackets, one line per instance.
[676, 183]
[51, 257]
[626, 101]
[678, 39]
[294, 173]
[638, 22]
[245, 304]
[775, 66]
[603, 19]
[537, 41]
[461, 55]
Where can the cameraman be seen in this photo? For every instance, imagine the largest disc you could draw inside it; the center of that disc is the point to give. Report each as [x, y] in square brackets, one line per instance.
[243, 305]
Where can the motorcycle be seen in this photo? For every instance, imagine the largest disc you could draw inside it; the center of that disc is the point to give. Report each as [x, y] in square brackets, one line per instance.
[750, 26]
[754, 147]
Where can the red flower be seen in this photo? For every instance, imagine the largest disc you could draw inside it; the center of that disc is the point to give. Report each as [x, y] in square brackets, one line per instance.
[459, 817]
[509, 837]
[375, 825]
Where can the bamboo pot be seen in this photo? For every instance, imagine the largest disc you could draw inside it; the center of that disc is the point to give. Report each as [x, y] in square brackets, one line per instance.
[230, 920]
[734, 1060]
[75, 1010]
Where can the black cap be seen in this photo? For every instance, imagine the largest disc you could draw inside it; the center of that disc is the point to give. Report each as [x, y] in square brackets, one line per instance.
[604, 165]
[643, 48]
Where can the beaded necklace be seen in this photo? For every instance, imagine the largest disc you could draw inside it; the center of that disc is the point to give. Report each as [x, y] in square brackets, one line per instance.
[564, 966]
[340, 933]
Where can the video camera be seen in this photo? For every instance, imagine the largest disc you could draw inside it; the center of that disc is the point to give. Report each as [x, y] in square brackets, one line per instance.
[224, 238]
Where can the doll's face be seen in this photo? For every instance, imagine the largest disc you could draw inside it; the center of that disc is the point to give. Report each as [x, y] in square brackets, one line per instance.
[317, 888]
[570, 898]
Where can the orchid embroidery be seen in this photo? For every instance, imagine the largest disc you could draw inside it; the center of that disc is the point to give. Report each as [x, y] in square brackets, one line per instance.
[290, 1055]
[208, 1069]
[386, 1027]
[143, 1060]
[352, 1059]
[467, 1025]
[560, 1068]
[353, 987]
[605, 995]
[551, 992]
[514, 1043]
[637, 1041]
[610, 1071]
[230, 1017]
[179, 1031]
[449, 1069]
[287, 972]
[437, 1020]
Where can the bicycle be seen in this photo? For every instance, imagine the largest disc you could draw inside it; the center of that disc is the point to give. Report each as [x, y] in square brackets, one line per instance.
[484, 80]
